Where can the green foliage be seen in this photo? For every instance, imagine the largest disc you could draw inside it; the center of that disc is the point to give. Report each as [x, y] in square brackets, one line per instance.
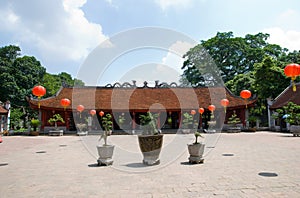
[293, 112]
[107, 125]
[121, 119]
[18, 75]
[148, 122]
[15, 117]
[187, 121]
[53, 82]
[234, 120]
[197, 134]
[56, 118]
[35, 123]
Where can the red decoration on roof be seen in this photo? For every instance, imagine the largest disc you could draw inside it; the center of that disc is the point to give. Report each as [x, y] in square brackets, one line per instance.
[39, 91]
[224, 103]
[65, 102]
[201, 110]
[93, 112]
[211, 108]
[80, 108]
[193, 112]
[101, 113]
[245, 94]
[292, 70]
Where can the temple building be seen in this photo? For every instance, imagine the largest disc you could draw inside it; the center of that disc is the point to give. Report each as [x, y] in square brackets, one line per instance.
[288, 95]
[127, 102]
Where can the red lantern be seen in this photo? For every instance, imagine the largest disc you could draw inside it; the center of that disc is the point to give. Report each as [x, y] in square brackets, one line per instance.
[65, 102]
[201, 110]
[101, 113]
[292, 70]
[211, 108]
[93, 112]
[224, 103]
[245, 94]
[193, 112]
[39, 91]
[80, 108]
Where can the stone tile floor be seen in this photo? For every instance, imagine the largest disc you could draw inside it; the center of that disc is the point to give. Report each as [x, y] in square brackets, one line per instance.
[261, 164]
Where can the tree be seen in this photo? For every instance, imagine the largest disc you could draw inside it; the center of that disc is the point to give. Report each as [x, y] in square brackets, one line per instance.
[232, 55]
[18, 75]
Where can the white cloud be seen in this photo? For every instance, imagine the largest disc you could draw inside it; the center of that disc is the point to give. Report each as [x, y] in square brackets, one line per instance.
[165, 4]
[289, 39]
[57, 29]
[174, 56]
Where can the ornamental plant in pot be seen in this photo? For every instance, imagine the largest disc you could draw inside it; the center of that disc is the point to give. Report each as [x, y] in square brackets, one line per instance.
[233, 121]
[150, 141]
[34, 123]
[196, 150]
[105, 151]
[187, 123]
[292, 112]
[56, 118]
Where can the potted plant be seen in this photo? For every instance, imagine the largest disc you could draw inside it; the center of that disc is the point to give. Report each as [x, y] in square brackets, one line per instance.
[82, 127]
[105, 151]
[196, 150]
[187, 123]
[34, 123]
[150, 141]
[292, 112]
[233, 121]
[56, 118]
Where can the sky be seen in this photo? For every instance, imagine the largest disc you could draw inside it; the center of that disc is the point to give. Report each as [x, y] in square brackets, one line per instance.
[62, 34]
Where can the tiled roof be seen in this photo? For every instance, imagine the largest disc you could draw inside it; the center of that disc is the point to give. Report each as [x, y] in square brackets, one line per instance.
[3, 110]
[172, 98]
[288, 95]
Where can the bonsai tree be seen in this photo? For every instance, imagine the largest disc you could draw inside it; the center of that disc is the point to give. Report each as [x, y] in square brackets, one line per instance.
[81, 126]
[292, 111]
[234, 120]
[107, 125]
[56, 118]
[197, 134]
[187, 120]
[121, 120]
[35, 123]
[149, 125]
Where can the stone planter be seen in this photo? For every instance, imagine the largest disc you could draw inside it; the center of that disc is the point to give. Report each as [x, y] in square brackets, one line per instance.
[234, 129]
[105, 153]
[150, 146]
[196, 153]
[34, 133]
[82, 133]
[295, 129]
[56, 132]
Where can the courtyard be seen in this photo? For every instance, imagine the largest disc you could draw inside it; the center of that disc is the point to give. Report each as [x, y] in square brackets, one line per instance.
[260, 164]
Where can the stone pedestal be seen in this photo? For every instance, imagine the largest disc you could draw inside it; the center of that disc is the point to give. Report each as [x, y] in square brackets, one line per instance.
[56, 132]
[105, 155]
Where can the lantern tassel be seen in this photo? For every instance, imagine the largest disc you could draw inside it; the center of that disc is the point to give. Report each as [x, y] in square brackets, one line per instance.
[39, 105]
[293, 83]
[225, 109]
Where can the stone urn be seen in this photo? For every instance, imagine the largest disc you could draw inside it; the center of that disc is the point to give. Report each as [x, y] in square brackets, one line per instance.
[196, 153]
[105, 153]
[150, 145]
[295, 130]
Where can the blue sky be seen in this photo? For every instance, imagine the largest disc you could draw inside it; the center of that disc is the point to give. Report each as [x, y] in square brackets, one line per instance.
[61, 33]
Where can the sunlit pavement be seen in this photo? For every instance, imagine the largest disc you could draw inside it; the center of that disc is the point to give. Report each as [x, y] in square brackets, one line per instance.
[261, 164]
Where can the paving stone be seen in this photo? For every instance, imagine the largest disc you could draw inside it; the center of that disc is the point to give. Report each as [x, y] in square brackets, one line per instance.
[70, 170]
